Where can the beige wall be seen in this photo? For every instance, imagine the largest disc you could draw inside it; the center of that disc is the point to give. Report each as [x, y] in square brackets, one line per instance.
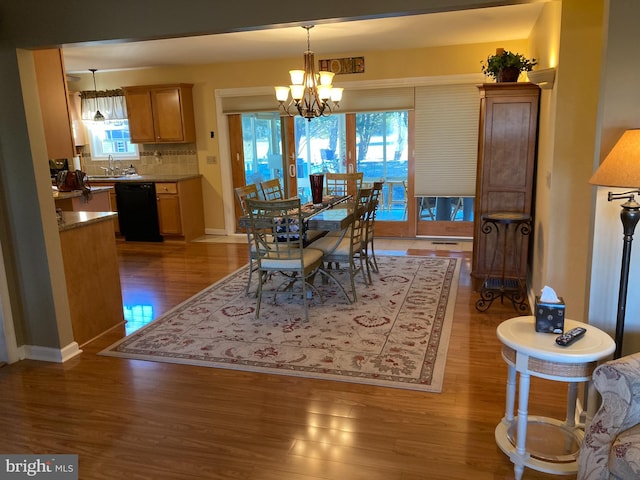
[569, 232]
[392, 65]
[545, 47]
[619, 109]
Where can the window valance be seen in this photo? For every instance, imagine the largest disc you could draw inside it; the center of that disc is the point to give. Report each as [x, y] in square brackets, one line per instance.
[111, 104]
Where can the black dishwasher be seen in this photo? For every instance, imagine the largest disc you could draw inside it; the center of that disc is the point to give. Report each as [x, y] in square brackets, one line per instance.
[138, 211]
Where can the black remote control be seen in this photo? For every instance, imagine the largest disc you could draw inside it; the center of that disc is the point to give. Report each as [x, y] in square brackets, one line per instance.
[571, 336]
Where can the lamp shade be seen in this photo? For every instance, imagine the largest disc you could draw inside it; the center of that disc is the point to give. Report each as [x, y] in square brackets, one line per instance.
[621, 167]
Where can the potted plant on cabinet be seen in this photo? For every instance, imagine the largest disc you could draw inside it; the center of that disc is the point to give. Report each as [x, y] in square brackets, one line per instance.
[506, 66]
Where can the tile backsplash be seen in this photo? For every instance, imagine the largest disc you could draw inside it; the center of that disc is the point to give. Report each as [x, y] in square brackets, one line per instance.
[167, 159]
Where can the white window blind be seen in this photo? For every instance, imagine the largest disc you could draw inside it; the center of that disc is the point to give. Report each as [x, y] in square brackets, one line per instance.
[249, 103]
[377, 100]
[446, 140]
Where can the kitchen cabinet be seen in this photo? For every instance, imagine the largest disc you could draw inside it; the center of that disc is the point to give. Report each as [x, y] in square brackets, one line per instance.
[77, 128]
[179, 201]
[90, 263]
[505, 175]
[113, 204]
[169, 214]
[180, 209]
[54, 104]
[75, 201]
[160, 113]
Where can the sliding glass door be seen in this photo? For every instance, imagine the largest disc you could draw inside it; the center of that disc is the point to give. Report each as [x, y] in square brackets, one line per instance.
[379, 144]
[262, 147]
[374, 143]
[320, 147]
[382, 152]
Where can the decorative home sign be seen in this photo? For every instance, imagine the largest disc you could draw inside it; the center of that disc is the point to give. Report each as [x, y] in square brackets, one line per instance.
[343, 65]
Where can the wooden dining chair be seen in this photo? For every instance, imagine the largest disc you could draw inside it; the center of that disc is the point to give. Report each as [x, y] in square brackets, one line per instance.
[348, 251]
[272, 189]
[242, 194]
[343, 183]
[276, 226]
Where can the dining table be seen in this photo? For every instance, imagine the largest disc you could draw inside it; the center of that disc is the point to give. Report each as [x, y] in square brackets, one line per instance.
[335, 213]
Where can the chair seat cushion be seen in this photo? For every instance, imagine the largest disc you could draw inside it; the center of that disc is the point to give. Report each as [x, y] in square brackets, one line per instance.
[309, 256]
[327, 243]
[624, 458]
[313, 235]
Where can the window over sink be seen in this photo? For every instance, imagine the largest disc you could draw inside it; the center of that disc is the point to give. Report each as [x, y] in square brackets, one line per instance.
[111, 137]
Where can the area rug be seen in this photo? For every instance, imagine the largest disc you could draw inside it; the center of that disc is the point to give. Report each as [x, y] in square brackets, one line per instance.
[395, 335]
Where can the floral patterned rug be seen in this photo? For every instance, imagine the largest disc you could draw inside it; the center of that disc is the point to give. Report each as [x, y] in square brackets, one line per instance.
[395, 335]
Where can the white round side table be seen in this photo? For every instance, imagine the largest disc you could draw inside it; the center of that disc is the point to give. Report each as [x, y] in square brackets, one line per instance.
[541, 443]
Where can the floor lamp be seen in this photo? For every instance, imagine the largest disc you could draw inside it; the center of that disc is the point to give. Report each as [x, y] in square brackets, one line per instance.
[621, 168]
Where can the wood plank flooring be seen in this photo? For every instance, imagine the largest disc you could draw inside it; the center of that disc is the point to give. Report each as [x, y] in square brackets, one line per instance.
[144, 420]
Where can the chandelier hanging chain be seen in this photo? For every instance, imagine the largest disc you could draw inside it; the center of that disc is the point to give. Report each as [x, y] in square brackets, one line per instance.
[309, 99]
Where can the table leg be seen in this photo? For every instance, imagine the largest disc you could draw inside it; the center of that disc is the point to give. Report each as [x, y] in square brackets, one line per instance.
[523, 416]
[572, 397]
[511, 394]
[592, 399]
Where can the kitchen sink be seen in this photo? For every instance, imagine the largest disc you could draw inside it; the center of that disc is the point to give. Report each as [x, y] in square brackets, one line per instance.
[114, 177]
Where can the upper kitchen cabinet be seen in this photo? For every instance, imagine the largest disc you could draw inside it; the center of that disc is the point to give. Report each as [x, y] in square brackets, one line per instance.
[52, 89]
[77, 130]
[161, 113]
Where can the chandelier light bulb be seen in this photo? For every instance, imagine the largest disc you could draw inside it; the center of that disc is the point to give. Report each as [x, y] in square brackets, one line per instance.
[336, 94]
[282, 93]
[297, 76]
[297, 91]
[326, 77]
[324, 92]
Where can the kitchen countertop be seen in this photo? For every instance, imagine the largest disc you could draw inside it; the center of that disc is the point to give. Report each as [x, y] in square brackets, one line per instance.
[76, 193]
[69, 220]
[143, 178]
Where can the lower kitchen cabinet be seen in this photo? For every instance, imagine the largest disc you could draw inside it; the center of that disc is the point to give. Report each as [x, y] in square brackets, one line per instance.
[181, 209]
[169, 214]
[76, 201]
[113, 204]
[90, 263]
[180, 206]
[114, 208]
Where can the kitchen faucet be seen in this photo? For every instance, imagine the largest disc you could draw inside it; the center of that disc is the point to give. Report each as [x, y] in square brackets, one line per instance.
[111, 169]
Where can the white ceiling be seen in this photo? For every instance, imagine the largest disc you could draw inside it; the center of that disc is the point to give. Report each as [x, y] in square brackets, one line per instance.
[418, 31]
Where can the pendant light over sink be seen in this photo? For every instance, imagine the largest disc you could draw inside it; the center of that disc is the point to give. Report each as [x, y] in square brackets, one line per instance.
[98, 117]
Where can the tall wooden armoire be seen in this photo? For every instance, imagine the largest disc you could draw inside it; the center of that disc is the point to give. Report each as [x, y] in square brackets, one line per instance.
[505, 176]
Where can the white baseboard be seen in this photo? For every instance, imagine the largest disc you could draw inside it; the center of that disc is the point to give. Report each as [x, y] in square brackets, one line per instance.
[48, 354]
[215, 231]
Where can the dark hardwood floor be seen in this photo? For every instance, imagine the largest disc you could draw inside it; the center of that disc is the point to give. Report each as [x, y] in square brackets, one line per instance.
[144, 420]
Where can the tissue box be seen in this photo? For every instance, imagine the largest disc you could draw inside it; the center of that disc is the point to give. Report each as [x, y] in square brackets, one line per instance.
[549, 316]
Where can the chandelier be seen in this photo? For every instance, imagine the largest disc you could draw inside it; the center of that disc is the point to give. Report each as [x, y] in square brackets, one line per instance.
[312, 94]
